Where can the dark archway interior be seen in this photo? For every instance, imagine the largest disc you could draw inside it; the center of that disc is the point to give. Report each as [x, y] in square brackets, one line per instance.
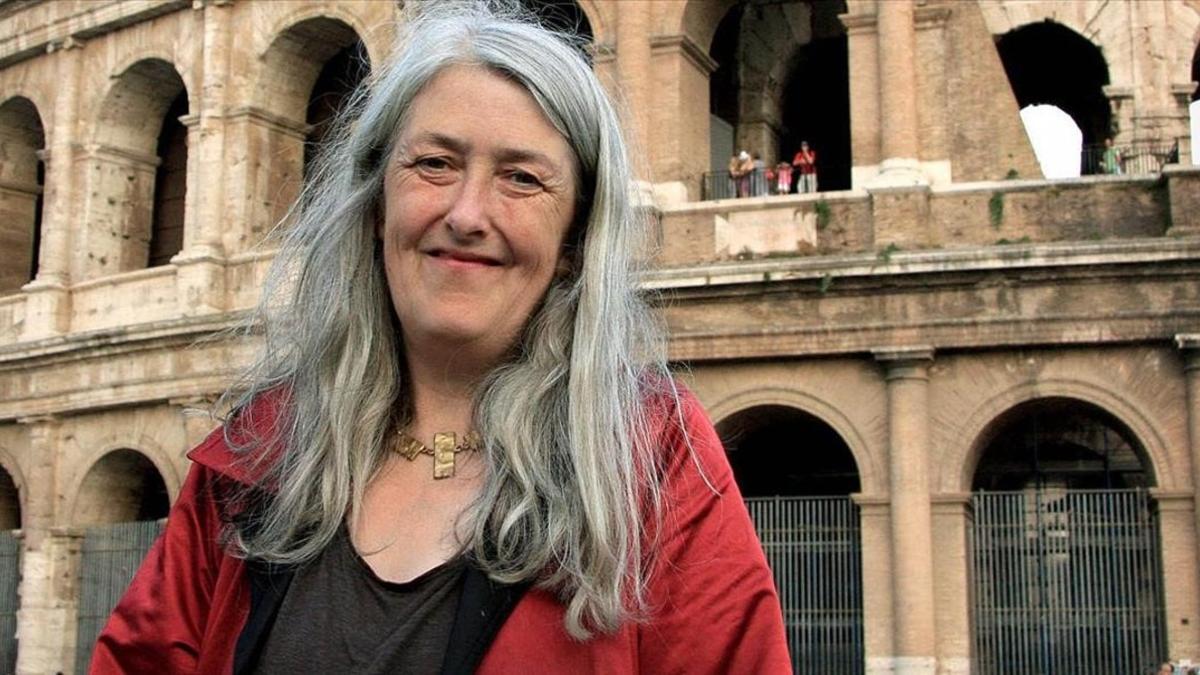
[338, 79]
[777, 450]
[1052, 64]
[816, 99]
[1196, 72]
[564, 16]
[21, 138]
[10, 503]
[1060, 443]
[170, 185]
[122, 486]
[723, 83]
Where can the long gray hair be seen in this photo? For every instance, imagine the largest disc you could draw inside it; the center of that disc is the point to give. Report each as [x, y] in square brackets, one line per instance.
[572, 485]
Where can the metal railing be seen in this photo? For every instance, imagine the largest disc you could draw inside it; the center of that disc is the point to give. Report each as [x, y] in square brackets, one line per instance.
[814, 548]
[10, 578]
[1066, 582]
[723, 185]
[1130, 159]
[111, 554]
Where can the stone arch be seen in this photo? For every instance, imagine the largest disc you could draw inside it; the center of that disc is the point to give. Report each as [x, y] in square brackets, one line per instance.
[292, 62]
[137, 169]
[1049, 63]
[565, 15]
[12, 493]
[596, 19]
[1196, 71]
[697, 19]
[967, 446]
[307, 11]
[871, 480]
[22, 182]
[767, 54]
[121, 485]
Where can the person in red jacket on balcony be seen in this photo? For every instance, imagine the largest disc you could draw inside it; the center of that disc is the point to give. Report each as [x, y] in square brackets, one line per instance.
[460, 449]
[805, 162]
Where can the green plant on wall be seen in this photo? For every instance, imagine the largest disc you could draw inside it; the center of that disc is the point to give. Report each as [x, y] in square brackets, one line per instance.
[885, 255]
[826, 283]
[996, 209]
[823, 213]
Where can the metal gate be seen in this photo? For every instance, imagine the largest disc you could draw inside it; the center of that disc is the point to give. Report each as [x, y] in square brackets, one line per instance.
[1066, 581]
[814, 549]
[110, 556]
[10, 577]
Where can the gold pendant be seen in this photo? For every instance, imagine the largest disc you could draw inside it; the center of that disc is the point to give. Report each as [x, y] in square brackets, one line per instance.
[443, 455]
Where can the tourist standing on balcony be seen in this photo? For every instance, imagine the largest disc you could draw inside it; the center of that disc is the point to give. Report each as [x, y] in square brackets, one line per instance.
[759, 180]
[805, 163]
[1111, 161]
[740, 169]
[783, 178]
[460, 449]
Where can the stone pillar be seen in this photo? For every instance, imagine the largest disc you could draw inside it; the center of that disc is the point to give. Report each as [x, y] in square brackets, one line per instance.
[878, 602]
[907, 375]
[679, 135]
[862, 46]
[952, 585]
[1189, 344]
[1181, 573]
[633, 67]
[264, 172]
[48, 303]
[117, 211]
[898, 120]
[49, 562]
[1183, 193]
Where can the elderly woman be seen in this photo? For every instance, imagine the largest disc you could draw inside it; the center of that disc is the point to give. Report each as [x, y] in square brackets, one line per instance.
[460, 449]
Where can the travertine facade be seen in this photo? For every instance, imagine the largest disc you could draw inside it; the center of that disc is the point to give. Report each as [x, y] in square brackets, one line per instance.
[913, 314]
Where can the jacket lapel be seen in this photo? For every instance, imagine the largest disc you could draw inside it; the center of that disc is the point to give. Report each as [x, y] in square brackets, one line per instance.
[483, 608]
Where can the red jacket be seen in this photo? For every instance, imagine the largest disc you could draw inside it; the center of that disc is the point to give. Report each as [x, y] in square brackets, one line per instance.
[714, 606]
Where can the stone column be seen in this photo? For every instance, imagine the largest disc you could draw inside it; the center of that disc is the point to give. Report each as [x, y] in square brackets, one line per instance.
[1181, 573]
[907, 375]
[862, 46]
[898, 121]
[679, 134]
[952, 582]
[49, 563]
[878, 619]
[1189, 344]
[47, 302]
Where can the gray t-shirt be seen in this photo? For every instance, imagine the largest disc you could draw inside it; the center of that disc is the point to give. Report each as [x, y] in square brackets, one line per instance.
[339, 617]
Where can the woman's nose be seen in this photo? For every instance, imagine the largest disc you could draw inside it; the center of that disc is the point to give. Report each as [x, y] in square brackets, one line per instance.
[469, 215]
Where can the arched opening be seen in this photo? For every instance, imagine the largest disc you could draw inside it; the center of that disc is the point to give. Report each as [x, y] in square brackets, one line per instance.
[10, 566]
[1048, 63]
[338, 79]
[1065, 554]
[138, 171]
[782, 78]
[10, 503]
[122, 486]
[121, 502]
[170, 185]
[22, 178]
[797, 474]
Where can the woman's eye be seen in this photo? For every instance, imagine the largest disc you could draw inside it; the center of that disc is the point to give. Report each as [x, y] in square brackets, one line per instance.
[433, 163]
[524, 179]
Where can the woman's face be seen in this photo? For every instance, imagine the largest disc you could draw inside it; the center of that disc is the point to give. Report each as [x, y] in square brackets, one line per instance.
[477, 200]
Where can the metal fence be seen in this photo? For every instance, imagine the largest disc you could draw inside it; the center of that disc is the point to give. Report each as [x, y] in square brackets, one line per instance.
[1130, 159]
[814, 548]
[110, 556]
[722, 185]
[10, 577]
[1066, 582]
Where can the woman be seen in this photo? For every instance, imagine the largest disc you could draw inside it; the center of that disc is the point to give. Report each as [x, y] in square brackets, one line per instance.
[460, 449]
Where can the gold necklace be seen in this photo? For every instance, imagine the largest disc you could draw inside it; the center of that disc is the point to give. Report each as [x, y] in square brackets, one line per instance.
[443, 452]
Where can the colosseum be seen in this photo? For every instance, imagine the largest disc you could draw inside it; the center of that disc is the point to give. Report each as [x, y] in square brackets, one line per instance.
[962, 398]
